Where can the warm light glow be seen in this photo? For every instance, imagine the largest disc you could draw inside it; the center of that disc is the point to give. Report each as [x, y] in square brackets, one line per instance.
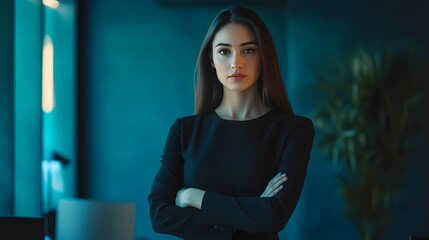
[48, 97]
[51, 3]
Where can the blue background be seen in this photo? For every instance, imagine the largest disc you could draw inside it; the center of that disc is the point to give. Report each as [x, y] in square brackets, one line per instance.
[134, 73]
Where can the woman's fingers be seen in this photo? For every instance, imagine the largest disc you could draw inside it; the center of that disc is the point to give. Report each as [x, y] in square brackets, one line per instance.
[277, 181]
[279, 178]
[276, 190]
[275, 185]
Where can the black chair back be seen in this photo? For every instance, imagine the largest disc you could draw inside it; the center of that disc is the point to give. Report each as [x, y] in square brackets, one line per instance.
[21, 228]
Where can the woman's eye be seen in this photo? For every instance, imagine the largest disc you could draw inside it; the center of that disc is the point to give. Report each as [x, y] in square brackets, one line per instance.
[249, 50]
[223, 51]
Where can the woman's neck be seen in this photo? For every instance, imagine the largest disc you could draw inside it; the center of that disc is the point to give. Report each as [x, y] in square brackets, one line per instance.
[241, 105]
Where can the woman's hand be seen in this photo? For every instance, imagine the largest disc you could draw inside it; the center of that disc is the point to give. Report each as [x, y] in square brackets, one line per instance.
[190, 197]
[181, 198]
[275, 185]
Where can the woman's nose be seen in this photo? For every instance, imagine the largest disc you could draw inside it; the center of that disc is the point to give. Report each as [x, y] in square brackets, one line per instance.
[237, 62]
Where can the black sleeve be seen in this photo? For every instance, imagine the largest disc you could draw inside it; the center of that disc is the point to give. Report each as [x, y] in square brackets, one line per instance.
[256, 214]
[166, 217]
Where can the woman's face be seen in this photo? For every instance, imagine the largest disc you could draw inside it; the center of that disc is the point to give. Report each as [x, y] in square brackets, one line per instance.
[236, 57]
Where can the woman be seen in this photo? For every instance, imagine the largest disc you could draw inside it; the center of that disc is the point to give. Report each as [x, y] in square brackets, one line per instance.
[217, 163]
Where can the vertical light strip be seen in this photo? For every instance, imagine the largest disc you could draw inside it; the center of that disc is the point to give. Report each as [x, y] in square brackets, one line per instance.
[48, 96]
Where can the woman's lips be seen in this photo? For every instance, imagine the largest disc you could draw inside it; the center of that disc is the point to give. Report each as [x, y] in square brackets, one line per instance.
[237, 76]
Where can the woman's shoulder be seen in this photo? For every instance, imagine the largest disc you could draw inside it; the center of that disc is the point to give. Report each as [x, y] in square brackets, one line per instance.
[290, 118]
[292, 123]
[192, 119]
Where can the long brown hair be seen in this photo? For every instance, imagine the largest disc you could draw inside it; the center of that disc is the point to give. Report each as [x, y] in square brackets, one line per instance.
[209, 91]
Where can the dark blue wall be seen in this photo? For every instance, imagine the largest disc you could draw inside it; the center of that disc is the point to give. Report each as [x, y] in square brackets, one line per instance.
[6, 106]
[140, 64]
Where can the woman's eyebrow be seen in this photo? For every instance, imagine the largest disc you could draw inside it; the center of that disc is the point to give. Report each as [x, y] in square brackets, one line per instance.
[248, 43]
[242, 44]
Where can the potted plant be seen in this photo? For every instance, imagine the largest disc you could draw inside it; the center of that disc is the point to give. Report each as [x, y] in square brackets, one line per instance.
[367, 115]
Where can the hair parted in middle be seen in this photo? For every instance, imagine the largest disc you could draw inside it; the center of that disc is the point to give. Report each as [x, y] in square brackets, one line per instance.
[209, 90]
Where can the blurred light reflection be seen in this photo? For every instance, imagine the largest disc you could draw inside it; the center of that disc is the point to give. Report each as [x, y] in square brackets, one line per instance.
[53, 184]
[51, 3]
[48, 100]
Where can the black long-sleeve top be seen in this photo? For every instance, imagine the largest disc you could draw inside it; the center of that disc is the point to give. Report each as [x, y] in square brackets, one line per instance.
[233, 161]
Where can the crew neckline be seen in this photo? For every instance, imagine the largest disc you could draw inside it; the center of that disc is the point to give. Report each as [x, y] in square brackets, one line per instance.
[247, 120]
